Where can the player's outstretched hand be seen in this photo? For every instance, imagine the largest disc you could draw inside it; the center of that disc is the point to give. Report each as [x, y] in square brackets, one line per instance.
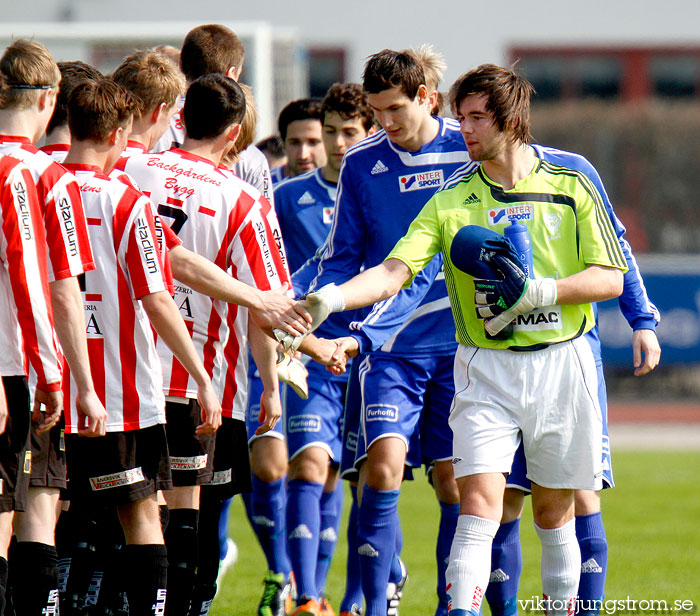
[346, 348]
[293, 372]
[92, 417]
[513, 294]
[645, 345]
[270, 411]
[211, 409]
[48, 406]
[318, 305]
[281, 312]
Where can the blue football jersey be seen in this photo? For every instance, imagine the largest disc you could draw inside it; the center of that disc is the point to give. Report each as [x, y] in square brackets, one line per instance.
[382, 188]
[277, 175]
[304, 206]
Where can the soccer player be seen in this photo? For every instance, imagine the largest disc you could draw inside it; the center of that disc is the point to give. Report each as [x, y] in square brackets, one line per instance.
[26, 306]
[219, 217]
[31, 79]
[214, 48]
[299, 125]
[384, 182]
[57, 138]
[577, 260]
[304, 206]
[130, 289]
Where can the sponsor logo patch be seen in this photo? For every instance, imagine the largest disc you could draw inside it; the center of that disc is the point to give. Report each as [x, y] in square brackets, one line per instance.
[539, 319]
[503, 215]
[188, 463]
[220, 478]
[327, 215]
[304, 423]
[351, 441]
[115, 480]
[382, 412]
[420, 181]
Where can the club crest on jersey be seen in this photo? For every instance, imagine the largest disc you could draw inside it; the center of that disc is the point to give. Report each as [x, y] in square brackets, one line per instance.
[420, 181]
[304, 423]
[552, 220]
[504, 215]
[327, 215]
[382, 412]
[539, 319]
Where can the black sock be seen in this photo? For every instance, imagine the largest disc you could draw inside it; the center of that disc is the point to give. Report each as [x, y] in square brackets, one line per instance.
[208, 556]
[164, 517]
[83, 557]
[202, 598]
[181, 541]
[3, 583]
[110, 587]
[146, 568]
[65, 540]
[35, 578]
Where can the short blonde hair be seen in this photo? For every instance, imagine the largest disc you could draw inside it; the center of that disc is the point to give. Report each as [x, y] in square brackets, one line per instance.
[152, 78]
[27, 67]
[249, 126]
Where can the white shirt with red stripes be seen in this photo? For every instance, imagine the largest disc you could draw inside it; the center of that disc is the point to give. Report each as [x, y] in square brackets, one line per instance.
[222, 218]
[57, 151]
[123, 357]
[59, 195]
[25, 303]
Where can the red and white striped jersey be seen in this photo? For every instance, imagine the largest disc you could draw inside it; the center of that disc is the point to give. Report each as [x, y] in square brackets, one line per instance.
[123, 358]
[57, 151]
[222, 218]
[26, 319]
[59, 198]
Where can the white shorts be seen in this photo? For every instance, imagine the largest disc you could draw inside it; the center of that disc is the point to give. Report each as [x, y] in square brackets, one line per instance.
[548, 398]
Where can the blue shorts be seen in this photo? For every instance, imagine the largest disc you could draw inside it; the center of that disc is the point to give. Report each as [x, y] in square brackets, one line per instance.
[518, 473]
[255, 390]
[409, 398]
[351, 423]
[316, 422]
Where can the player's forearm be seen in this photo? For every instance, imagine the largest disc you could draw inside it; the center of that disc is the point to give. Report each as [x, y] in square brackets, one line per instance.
[168, 323]
[264, 351]
[594, 284]
[375, 284]
[69, 321]
[203, 276]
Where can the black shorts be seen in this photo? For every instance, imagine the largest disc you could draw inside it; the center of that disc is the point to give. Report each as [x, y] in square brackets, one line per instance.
[49, 458]
[191, 455]
[119, 468]
[231, 462]
[15, 457]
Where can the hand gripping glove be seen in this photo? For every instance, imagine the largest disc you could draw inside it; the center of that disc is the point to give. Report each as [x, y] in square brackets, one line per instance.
[319, 304]
[294, 373]
[513, 295]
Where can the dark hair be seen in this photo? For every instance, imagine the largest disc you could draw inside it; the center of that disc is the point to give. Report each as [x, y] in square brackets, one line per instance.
[301, 109]
[211, 48]
[271, 145]
[388, 69]
[507, 97]
[97, 107]
[72, 73]
[213, 103]
[349, 101]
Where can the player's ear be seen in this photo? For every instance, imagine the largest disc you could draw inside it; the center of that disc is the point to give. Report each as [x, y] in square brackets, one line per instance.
[234, 131]
[158, 110]
[47, 98]
[372, 130]
[422, 94]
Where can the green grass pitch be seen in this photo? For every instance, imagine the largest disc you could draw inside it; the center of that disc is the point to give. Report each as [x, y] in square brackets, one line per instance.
[652, 521]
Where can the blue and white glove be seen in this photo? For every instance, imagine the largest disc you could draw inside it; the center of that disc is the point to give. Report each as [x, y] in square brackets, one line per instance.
[514, 294]
[319, 304]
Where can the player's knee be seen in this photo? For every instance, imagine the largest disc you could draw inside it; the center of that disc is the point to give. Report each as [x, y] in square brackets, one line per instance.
[586, 502]
[308, 468]
[383, 475]
[513, 501]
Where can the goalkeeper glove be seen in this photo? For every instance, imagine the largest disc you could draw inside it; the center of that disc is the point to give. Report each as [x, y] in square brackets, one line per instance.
[294, 373]
[513, 295]
[319, 304]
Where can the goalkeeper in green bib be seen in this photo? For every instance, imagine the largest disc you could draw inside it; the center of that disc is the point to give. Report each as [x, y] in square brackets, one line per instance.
[523, 372]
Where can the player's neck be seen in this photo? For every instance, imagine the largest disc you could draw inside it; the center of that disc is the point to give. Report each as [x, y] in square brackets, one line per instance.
[512, 165]
[91, 153]
[142, 133]
[429, 129]
[58, 136]
[210, 149]
[20, 123]
[330, 174]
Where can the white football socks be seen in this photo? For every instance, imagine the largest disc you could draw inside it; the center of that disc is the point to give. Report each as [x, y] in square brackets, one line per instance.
[561, 568]
[468, 573]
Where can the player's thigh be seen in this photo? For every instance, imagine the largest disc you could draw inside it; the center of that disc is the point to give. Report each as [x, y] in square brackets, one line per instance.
[231, 462]
[191, 455]
[484, 416]
[562, 424]
[15, 456]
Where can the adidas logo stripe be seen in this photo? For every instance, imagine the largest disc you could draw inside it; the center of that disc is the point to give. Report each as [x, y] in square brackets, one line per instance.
[471, 199]
[379, 167]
